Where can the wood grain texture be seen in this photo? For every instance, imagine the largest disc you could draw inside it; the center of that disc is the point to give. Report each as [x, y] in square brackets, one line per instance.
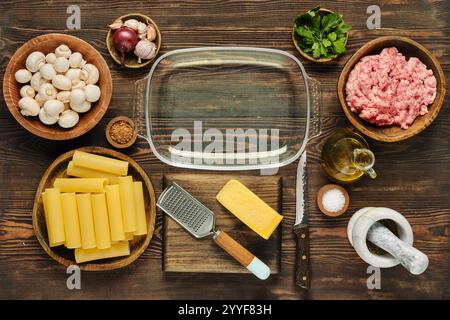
[184, 253]
[414, 175]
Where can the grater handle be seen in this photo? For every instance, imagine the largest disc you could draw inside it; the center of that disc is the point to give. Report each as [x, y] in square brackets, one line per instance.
[242, 255]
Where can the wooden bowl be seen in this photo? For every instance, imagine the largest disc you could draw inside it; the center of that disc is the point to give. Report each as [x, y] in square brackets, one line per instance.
[66, 256]
[47, 43]
[114, 143]
[307, 56]
[408, 48]
[320, 195]
[131, 61]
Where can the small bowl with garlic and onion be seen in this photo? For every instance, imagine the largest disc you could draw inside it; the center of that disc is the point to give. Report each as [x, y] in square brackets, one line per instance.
[57, 86]
[133, 40]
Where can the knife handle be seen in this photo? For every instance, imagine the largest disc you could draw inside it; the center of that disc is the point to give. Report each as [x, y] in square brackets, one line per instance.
[301, 232]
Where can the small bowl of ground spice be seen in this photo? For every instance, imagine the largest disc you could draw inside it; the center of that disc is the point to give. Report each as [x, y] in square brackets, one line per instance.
[120, 132]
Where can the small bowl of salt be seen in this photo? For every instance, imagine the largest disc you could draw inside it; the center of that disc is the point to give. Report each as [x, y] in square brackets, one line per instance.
[333, 200]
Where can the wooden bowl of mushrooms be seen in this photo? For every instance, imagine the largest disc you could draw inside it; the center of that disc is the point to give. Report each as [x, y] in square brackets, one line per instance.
[133, 40]
[57, 86]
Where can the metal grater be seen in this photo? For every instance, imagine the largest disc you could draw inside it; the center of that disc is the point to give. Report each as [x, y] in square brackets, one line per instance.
[190, 213]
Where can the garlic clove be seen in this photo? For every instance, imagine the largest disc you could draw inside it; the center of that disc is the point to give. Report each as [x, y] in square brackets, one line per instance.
[46, 119]
[77, 97]
[116, 24]
[47, 71]
[50, 58]
[29, 107]
[75, 60]
[62, 82]
[132, 23]
[84, 107]
[23, 76]
[47, 92]
[63, 51]
[27, 91]
[61, 64]
[151, 32]
[92, 93]
[68, 119]
[141, 28]
[35, 61]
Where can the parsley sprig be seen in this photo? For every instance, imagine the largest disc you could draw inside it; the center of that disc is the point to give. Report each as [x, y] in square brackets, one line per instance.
[321, 35]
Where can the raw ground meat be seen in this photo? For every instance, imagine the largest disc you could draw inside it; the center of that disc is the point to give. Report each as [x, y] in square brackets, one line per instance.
[387, 89]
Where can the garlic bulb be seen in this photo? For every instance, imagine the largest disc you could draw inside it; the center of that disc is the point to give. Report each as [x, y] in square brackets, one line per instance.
[132, 23]
[29, 107]
[93, 74]
[151, 32]
[116, 24]
[77, 97]
[62, 82]
[75, 60]
[63, 96]
[50, 58]
[53, 107]
[61, 65]
[23, 76]
[63, 51]
[92, 93]
[84, 107]
[47, 71]
[145, 49]
[47, 92]
[68, 119]
[46, 119]
[37, 81]
[27, 91]
[35, 61]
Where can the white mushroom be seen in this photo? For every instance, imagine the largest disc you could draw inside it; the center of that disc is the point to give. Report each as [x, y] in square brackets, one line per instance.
[46, 119]
[47, 92]
[63, 96]
[73, 73]
[37, 81]
[53, 107]
[68, 119]
[75, 60]
[39, 100]
[77, 97]
[35, 61]
[23, 76]
[84, 107]
[66, 106]
[93, 74]
[92, 93]
[84, 75]
[29, 107]
[78, 84]
[50, 58]
[27, 91]
[47, 71]
[62, 82]
[63, 51]
[61, 65]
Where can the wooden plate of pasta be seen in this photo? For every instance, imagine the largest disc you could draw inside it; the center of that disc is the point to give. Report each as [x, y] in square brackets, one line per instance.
[68, 251]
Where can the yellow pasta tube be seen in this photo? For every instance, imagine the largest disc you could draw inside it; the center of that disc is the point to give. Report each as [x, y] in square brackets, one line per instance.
[82, 185]
[129, 236]
[114, 212]
[127, 203]
[71, 221]
[81, 172]
[117, 250]
[141, 220]
[86, 217]
[54, 216]
[100, 163]
[101, 221]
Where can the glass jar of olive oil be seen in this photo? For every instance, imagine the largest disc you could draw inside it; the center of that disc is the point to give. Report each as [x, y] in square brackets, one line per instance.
[346, 157]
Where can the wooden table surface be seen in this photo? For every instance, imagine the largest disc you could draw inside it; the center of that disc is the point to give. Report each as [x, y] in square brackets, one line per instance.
[414, 175]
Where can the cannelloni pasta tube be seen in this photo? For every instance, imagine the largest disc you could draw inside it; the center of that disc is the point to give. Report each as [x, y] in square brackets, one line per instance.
[82, 185]
[117, 250]
[71, 221]
[114, 212]
[100, 163]
[141, 220]
[54, 216]
[127, 203]
[82, 172]
[101, 221]
[86, 217]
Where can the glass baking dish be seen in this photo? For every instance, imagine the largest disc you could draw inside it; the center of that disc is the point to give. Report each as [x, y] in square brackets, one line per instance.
[227, 108]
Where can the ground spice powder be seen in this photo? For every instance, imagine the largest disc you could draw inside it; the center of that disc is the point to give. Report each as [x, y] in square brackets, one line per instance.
[121, 132]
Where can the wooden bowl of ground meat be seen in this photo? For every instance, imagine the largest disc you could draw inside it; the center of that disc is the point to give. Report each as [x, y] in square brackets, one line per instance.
[392, 88]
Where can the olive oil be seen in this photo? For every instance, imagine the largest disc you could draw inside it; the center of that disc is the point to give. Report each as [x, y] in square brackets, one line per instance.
[346, 157]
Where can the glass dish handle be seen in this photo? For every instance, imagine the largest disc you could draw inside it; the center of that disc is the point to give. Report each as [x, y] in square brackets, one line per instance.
[315, 128]
[139, 108]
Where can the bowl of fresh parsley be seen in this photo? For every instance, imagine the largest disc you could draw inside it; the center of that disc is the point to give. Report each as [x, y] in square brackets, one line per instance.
[320, 35]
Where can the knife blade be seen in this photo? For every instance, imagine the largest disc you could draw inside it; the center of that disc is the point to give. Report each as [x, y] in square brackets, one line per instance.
[301, 226]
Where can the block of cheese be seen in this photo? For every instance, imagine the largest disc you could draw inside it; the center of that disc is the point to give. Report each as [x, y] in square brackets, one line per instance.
[82, 172]
[86, 217]
[114, 212]
[127, 203]
[100, 163]
[116, 250]
[101, 221]
[82, 185]
[249, 208]
[51, 199]
[141, 219]
[71, 221]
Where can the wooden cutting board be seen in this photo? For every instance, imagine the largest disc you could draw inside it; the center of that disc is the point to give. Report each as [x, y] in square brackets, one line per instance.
[183, 253]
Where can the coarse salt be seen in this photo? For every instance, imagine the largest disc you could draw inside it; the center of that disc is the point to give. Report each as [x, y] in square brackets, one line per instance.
[333, 200]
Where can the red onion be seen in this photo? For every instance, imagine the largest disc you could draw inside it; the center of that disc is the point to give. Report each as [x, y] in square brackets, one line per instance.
[125, 40]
